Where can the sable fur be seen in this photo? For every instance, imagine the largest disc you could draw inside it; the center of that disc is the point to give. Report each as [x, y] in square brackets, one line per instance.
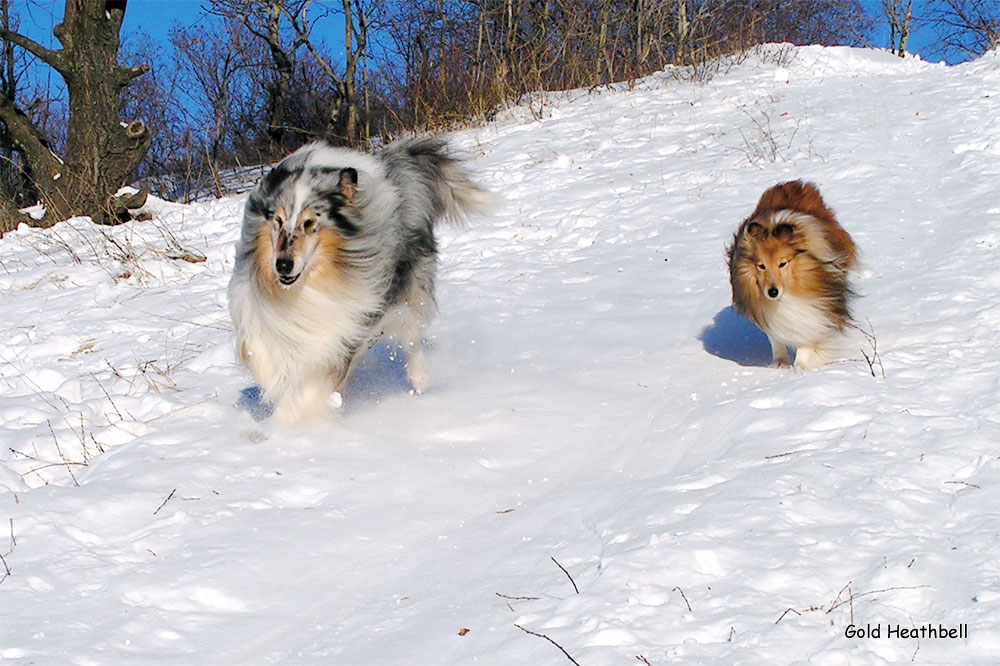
[800, 298]
[337, 248]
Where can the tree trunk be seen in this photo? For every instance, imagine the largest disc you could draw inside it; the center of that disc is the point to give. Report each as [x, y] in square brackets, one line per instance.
[350, 66]
[899, 24]
[904, 29]
[681, 34]
[366, 138]
[101, 151]
[279, 94]
[8, 78]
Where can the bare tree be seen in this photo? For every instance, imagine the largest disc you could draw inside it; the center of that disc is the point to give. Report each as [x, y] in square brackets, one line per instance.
[101, 151]
[221, 89]
[160, 98]
[899, 14]
[263, 19]
[968, 26]
[357, 18]
[287, 26]
[462, 58]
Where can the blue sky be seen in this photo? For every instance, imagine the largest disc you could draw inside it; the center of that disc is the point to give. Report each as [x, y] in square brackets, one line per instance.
[154, 17]
[922, 41]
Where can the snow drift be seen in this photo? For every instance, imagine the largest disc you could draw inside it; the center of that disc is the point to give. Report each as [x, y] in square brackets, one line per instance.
[604, 468]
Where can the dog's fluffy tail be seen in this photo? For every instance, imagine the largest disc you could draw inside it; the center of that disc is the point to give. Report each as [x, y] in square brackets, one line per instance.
[455, 196]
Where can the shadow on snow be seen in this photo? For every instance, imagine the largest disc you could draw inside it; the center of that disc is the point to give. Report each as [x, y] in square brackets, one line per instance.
[734, 337]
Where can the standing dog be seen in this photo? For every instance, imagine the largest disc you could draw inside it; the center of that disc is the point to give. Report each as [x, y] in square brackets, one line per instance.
[788, 266]
[337, 248]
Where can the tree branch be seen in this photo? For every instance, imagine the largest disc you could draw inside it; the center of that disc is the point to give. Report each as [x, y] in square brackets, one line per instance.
[125, 75]
[302, 30]
[28, 139]
[50, 57]
[42, 163]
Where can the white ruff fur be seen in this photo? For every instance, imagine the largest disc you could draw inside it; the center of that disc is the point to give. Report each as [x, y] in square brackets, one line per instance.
[294, 341]
[805, 325]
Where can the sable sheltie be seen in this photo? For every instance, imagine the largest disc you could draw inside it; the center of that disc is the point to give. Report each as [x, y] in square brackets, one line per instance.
[788, 266]
[337, 248]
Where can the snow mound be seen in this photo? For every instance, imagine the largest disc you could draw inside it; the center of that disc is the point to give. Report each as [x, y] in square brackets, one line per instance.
[603, 464]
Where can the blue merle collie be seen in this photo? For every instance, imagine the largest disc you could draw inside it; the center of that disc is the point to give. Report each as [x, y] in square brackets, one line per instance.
[337, 249]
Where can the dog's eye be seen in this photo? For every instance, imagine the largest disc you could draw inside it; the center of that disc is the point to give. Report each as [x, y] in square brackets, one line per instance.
[782, 264]
[278, 222]
[309, 226]
[762, 267]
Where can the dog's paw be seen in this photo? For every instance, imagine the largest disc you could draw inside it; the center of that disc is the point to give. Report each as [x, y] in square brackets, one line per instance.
[417, 375]
[807, 358]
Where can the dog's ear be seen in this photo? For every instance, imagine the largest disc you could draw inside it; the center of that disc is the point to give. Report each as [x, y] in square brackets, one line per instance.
[783, 230]
[755, 230]
[348, 182]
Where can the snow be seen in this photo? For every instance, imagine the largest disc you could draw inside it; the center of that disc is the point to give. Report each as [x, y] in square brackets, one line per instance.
[599, 418]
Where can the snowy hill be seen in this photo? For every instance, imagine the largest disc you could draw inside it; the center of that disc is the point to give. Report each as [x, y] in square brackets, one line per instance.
[602, 459]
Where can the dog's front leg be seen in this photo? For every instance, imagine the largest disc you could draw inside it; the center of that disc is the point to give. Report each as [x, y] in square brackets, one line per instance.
[779, 353]
[810, 357]
[307, 401]
[339, 381]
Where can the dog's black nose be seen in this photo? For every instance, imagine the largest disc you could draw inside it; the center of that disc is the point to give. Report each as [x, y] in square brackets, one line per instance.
[773, 292]
[283, 266]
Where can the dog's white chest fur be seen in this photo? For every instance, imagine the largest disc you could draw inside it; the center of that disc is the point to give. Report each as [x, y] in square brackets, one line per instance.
[799, 321]
[805, 325]
[298, 339]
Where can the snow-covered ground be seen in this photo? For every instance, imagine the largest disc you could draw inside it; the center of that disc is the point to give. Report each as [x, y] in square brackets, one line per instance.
[603, 460]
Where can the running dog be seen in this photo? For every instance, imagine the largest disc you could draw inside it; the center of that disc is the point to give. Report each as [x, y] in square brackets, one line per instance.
[788, 267]
[337, 248]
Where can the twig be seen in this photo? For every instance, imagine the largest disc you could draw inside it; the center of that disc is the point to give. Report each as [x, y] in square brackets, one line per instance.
[643, 659]
[787, 610]
[684, 596]
[169, 497]
[7, 568]
[873, 341]
[782, 455]
[870, 362]
[834, 604]
[965, 483]
[26, 456]
[508, 599]
[567, 574]
[528, 631]
[108, 396]
[35, 470]
[13, 541]
[62, 455]
[865, 594]
[189, 256]
[504, 596]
